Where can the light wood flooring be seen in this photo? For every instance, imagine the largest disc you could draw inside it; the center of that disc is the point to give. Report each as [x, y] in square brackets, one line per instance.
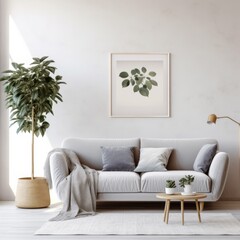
[16, 224]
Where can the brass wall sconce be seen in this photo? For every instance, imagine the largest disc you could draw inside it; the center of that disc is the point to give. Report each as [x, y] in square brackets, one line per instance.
[213, 118]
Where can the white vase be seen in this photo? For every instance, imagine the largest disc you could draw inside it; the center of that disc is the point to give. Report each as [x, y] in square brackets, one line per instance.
[169, 190]
[188, 188]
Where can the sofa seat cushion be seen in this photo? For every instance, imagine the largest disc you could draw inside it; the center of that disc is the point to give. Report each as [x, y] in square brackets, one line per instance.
[156, 181]
[118, 181]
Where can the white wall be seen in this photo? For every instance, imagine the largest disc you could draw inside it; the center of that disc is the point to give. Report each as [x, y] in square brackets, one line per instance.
[5, 189]
[203, 38]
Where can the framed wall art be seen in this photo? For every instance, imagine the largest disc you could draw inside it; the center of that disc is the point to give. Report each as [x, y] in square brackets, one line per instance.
[139, 85]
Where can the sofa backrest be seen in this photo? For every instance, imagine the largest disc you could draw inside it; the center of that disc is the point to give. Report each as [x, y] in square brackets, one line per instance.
[89, 149]
[184, 150]
[182, 157]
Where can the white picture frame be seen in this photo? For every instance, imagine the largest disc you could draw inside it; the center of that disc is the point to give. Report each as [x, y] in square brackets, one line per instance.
[140, 85]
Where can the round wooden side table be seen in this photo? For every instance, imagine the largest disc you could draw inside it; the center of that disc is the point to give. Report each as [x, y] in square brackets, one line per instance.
[181, 198]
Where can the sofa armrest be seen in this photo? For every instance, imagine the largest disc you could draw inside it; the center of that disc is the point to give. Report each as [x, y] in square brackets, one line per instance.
[218, 173]
[59, 171]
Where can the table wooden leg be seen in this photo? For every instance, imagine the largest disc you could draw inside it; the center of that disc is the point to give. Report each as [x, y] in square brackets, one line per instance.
[198, 210]
[167, 213]
[182, 211]
[201, 206]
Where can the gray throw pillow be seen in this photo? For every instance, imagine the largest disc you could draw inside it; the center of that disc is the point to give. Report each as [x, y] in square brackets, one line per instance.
[118, 158]
[153, 159]
[204, 158]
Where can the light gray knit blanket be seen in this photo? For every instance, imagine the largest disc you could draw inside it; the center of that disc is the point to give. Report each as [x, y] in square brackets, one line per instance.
[78, 189]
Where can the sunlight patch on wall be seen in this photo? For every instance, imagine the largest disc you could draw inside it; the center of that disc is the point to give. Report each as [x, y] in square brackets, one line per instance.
[18, 50]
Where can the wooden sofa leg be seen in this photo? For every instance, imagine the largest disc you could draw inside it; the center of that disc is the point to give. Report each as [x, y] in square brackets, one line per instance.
[201, 206]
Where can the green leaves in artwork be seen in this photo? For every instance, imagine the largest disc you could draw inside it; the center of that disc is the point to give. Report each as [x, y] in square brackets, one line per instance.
[152, 74]
[140, 80]
[153, 82]
[123, 75]
[144, 91]
[144, 69]
[125, 83]
[136, 88]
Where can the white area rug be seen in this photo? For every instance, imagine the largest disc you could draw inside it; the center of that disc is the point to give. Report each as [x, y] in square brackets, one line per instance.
[135, 223]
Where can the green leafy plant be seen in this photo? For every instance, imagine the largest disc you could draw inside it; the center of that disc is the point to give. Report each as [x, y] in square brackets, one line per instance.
[140, 80]
[30, 95]
[187, 180]
[170, 184]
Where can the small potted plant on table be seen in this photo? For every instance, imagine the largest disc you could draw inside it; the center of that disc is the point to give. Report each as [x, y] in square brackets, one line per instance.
[170, 187]
[185, 182]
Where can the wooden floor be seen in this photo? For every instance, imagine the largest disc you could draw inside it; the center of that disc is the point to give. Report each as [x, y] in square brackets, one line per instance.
[18, 223]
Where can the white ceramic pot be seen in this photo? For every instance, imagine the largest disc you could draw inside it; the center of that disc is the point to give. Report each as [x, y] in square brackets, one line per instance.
[188, 188]
[169, 190]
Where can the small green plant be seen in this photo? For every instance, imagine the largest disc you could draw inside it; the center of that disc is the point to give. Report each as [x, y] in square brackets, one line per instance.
[170, 184]
[187, 180]
[140, 80]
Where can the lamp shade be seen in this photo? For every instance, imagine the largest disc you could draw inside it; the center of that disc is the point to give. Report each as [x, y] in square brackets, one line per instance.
[212, 119]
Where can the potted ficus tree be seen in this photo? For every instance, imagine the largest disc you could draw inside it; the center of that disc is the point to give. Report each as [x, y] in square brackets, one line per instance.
[30, 95]
[170, 186]
[185, 182]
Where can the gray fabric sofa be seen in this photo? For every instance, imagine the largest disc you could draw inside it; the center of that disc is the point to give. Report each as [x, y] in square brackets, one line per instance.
[132, 186]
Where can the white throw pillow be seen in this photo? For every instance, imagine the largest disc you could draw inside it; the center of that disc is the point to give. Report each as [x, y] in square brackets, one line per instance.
[153, 159]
